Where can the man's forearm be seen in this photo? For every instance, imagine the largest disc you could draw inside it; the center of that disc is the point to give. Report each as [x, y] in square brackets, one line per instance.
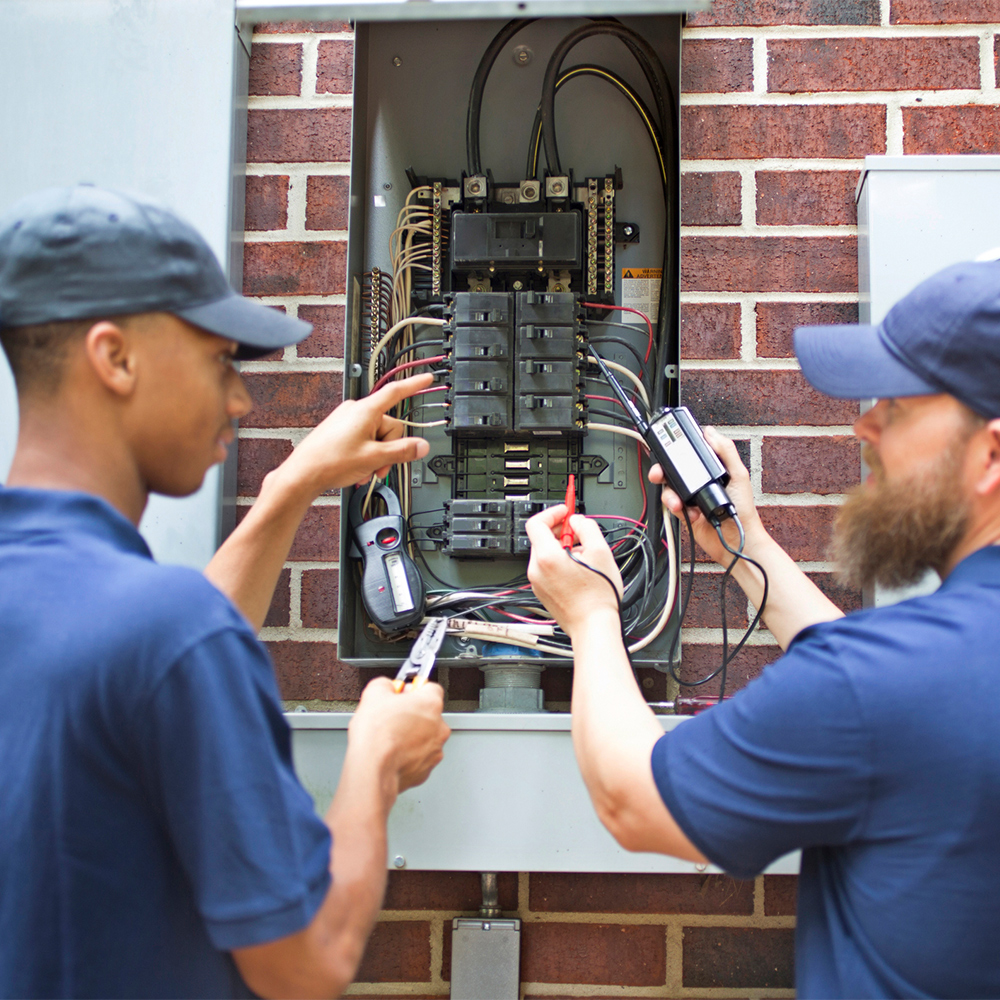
[248, 563]
[614, 731]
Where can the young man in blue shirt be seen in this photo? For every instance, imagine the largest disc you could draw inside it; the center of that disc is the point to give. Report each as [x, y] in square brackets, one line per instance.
[154, 840]
[874, 743]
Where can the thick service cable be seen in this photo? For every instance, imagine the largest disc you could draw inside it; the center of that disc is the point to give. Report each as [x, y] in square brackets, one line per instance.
[474, 114]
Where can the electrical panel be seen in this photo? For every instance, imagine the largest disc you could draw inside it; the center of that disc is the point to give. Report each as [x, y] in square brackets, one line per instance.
[505, 274]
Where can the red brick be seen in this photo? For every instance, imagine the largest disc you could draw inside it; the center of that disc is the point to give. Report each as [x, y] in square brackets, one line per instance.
[295, 399]
[780, 893]
[318, 537]
[320, 590]
[335, 67]
[255, 458]
[445, 891]
[971, 128]
[266, 203]
[996, 56]
[701, 659]
[710, 330]
[276, 70]
[327, 338]
[704, 609]
[798, 65]
[710, 199]
[776, 321]
[559, 892]
[806, 197]
[300, 27]
[278, 613]
[739, 957]
[294, 268]
[846, 598]
[803, 532]
[308, 135]
[735, 398]
[310, 671]
[326, 202]
[716, 65]
[944, 11]
[399, 951]
[781, 12]
[599, 954]
[769, 263]
[810, 464]
[729, 132]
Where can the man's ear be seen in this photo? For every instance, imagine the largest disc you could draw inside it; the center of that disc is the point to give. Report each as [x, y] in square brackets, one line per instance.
[110, 349]
[989, 476]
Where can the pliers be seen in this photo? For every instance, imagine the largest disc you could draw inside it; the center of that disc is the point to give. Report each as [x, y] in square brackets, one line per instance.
[418, 665]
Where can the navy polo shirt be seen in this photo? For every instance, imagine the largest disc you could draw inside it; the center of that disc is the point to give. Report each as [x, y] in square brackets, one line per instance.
[874, 745]
[150, 818]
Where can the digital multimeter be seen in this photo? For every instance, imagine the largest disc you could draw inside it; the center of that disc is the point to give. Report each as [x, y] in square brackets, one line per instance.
[392, 588]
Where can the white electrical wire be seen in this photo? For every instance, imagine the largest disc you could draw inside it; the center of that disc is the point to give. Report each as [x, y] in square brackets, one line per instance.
[393, 330]
[627, 431]
[629, 374]
[425, 423]
[668, 605]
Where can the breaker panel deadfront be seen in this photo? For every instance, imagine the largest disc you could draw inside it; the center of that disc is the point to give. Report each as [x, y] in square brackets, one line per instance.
[513, 215]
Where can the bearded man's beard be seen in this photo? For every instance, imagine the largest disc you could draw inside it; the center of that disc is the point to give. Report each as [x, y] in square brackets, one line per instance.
[891, 533]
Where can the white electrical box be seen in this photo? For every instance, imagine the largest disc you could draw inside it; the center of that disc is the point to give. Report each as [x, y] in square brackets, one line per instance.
[916, 216]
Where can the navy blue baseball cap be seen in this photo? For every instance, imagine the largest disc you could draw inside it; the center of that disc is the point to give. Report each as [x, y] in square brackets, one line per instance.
[85, 252]
[944, 337]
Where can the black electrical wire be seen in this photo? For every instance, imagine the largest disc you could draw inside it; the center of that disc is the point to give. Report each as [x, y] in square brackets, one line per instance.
[614, 589]
[586, 69]
[644, 54]
[631, 327]
[597, 411]
[391, 363]
[474, 114]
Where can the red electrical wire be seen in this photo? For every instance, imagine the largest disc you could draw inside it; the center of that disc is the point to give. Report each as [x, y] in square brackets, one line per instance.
[404, 367]
[628, 309]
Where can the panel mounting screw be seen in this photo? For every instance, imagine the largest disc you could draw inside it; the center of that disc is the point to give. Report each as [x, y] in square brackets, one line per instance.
[628, 230]
[399, 861]
[396, 61]
[522, 55]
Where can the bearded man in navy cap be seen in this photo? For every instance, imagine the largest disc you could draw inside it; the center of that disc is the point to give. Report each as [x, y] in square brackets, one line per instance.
[154, 839]
[873, 744]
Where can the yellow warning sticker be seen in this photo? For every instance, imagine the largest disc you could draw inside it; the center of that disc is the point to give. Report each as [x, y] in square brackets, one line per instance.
[641, 290]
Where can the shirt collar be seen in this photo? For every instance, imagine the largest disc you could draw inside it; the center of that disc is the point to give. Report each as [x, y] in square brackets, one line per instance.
[37, 512]
[979, 567]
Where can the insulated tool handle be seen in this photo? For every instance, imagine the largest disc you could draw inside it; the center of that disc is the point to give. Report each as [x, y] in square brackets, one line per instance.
[567, 531]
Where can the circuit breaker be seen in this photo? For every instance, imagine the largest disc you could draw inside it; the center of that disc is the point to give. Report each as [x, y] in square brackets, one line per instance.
[514, 196]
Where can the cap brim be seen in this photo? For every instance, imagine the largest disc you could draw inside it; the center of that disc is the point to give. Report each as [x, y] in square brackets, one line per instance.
[853, 362]
[257, 328]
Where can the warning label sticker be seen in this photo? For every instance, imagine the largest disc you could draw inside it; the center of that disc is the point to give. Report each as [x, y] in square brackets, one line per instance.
[641, 290]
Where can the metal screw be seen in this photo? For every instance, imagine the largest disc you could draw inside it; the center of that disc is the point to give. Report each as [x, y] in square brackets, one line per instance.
[518, 285]
[530, 192]
[396, 61]
[399, 861]
[508, 198]
[628, 230]
[557, 187]
[475, 187]
[699, 867]
[522, 55]
[647, 682]
[386, 187]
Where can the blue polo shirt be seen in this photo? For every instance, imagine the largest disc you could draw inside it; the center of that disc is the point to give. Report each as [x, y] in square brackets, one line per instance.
[150, 818]
[874, 745]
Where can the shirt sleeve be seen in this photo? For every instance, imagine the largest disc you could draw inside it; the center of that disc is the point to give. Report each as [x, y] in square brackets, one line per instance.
[216, 755]
[785, 764]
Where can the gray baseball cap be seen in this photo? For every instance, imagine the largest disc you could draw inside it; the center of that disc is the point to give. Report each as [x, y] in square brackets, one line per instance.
[85, 252]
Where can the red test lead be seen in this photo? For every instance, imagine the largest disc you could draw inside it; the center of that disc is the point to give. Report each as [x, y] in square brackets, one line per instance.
[567, 531]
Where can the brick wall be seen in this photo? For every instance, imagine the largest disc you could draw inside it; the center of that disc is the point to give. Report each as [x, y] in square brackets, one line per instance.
[781, 101]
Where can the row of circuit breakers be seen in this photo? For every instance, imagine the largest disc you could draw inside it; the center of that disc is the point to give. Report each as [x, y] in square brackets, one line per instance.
[511, 271]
